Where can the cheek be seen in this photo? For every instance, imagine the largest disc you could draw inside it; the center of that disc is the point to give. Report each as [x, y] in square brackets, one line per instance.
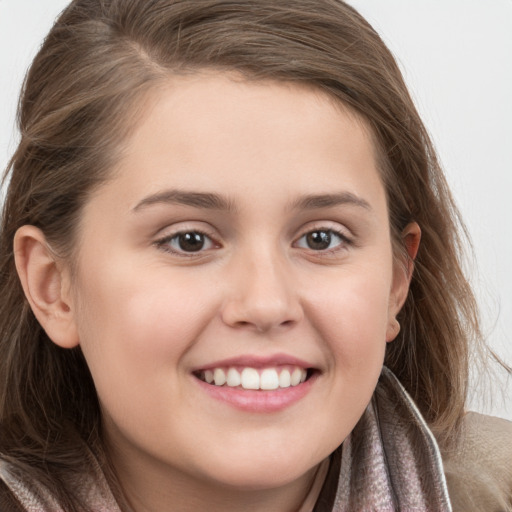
[352, 314]
[131, 325]
[351, 319]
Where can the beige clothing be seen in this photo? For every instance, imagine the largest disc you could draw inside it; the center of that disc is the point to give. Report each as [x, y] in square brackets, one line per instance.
[479, 473]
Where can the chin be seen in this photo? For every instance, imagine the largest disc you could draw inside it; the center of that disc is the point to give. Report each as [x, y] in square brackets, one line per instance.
[249, 473]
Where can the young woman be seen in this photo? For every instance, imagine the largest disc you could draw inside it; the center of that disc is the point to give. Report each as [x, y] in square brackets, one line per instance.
[230, 273]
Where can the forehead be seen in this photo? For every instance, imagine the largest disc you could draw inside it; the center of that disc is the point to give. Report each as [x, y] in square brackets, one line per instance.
[218, 131]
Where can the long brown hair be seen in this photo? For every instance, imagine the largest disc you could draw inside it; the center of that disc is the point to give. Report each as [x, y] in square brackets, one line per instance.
[81, 96]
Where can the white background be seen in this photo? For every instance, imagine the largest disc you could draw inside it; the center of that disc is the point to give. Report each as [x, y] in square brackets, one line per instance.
[457, 59]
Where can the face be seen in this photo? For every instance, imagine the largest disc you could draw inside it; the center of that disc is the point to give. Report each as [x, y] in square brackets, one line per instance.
[242, 243]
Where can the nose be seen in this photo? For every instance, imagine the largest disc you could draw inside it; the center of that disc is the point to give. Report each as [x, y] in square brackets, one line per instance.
[262, 294]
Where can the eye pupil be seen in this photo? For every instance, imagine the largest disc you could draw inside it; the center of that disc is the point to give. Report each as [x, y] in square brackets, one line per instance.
[191, 242]
[319, 240]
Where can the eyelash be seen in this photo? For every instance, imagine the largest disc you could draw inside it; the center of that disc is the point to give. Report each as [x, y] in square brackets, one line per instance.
[165, 242]
[344, 240]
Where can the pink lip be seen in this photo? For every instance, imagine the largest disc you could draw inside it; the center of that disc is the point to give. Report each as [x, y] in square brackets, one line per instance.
[252, 361]
[259, 401]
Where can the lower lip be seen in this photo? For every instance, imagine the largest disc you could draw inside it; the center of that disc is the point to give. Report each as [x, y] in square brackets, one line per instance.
[259, 401]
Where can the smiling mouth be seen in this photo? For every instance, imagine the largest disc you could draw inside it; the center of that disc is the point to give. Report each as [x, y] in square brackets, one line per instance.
[264, 379]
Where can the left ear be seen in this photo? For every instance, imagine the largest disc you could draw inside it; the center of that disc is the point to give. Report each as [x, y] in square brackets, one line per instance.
[403, 268]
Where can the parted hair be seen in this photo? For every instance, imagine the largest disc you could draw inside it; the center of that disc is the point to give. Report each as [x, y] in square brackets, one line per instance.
[84, 92]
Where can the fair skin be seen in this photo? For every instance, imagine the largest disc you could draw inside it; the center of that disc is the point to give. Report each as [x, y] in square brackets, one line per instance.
[288, 266]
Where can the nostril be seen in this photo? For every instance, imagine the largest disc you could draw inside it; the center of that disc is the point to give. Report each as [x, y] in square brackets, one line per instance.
[267, 326]
[261, 311]
[242, 324]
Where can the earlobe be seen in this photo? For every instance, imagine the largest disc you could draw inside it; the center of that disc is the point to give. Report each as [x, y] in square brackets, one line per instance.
[46, 286]
[392, 330]
[402, 274]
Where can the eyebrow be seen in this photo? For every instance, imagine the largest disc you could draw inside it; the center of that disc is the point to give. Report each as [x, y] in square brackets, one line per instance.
[211, 201]
[317, 201]
[196, 199]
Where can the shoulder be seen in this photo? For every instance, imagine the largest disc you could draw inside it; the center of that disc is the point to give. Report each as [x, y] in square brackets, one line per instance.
[478, 471]
[8, 501]
[20, 491]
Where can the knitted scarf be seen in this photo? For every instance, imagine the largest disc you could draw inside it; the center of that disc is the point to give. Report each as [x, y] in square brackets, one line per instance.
[391, 461]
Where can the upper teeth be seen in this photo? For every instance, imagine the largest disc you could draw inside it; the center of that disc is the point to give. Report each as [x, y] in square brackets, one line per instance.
[252, 378]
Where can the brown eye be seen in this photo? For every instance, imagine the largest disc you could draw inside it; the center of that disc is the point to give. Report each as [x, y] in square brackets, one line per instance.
[186, 242]
[322, 240]
[318, 240]
[191, 242]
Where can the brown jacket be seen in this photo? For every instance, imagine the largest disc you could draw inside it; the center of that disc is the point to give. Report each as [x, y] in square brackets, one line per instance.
[479, 472]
